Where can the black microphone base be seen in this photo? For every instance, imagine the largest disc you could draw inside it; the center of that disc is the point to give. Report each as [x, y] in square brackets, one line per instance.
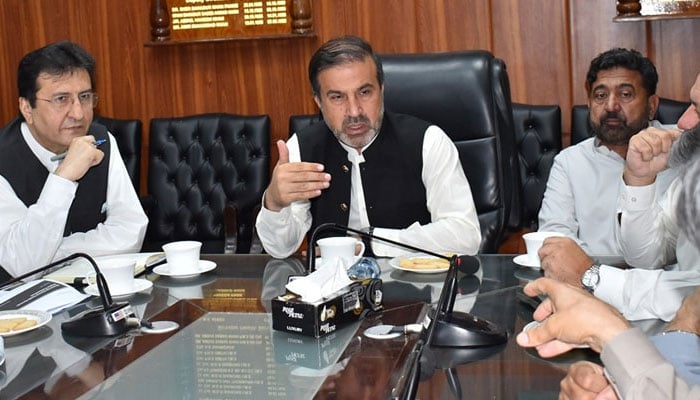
[458, 329]
[98, 321]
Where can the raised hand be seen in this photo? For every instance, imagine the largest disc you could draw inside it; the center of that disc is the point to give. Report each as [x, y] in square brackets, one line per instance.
[81, 156]
[647, 155]
[294, 181]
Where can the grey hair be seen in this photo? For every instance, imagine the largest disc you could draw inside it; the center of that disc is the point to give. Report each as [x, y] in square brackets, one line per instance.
[685, 148]
[688, 205]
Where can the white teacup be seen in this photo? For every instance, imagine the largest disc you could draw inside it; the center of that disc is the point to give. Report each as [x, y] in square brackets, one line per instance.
[183, 256]
[119, 274]
[533, 242]
[340, 247]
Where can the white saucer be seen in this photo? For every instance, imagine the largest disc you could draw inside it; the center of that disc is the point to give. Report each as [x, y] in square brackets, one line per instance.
[525, 261]
[204, 266]
[139, 286]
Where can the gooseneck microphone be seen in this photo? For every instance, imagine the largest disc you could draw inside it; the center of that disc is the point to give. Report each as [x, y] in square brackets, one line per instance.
[108, 320]
[447, 328]
[466, 264]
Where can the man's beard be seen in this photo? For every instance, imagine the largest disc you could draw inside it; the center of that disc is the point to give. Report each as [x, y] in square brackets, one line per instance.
[358, 142]
[685, 147]
[618, 135]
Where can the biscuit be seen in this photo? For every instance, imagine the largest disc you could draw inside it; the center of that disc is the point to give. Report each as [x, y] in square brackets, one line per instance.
[424, 263]
[16, 324]
[8, 324]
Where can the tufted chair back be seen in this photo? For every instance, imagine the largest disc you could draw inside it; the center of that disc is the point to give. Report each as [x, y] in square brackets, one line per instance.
[206, 177]
[538, 140]
[127, 132]
[668, 113]
[467, 94]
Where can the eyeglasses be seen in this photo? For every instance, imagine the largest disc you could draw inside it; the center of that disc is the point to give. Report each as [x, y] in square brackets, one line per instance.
[62, 102]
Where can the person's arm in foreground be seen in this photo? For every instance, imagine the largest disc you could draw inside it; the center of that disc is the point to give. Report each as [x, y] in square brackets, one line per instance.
[572, 316]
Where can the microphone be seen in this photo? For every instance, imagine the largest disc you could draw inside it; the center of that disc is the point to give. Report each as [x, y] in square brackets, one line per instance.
[447, 329]
[108, 320]
[466, 264]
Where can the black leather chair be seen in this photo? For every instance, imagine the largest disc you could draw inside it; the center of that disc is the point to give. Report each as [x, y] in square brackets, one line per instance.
[668, 113]
[538, 140]
[127, 132]
[467, 94]
[206, 177]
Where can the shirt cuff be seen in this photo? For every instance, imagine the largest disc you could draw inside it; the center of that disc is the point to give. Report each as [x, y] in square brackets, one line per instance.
[636, 198]
[610, 286]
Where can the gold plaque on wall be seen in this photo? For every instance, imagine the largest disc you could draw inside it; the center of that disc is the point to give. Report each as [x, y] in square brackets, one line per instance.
[188, 20]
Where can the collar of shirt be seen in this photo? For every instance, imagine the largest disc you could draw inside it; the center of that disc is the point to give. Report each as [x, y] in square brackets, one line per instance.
[39, 151]
[357, 216]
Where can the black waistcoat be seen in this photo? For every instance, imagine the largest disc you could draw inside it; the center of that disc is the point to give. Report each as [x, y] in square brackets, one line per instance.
[27, 176]
[391, 174]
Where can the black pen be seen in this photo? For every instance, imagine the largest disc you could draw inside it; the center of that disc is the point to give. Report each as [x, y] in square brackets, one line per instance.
[63, 155]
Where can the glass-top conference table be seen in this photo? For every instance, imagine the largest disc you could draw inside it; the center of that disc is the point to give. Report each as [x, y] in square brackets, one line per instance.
[225, 347]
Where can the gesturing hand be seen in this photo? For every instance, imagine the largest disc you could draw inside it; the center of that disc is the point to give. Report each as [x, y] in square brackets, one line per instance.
[647, 155]
[294, 181]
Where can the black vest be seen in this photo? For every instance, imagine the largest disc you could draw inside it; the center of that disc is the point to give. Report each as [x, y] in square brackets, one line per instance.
[391, 174]
[27, 176]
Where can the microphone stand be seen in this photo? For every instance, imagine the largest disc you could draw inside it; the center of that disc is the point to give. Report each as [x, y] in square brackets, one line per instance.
[108, 320]
[447, 328]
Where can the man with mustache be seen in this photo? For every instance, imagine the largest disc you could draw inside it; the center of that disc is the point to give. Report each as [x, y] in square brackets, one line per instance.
[650, 233]
[51, 207]
[621, 87]
[366, 167]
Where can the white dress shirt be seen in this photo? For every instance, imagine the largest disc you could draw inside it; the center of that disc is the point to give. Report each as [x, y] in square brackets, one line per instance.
[454, 225]
[582, 196]
[31, 237]
[651, 239]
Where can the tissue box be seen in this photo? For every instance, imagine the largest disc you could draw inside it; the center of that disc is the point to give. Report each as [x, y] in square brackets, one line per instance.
[353, 303]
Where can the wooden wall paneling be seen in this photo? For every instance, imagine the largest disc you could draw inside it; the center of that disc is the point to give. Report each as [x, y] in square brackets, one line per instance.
[593, 32]
[330, 18]
[531, 37]
[676, 55]
[452, 25]
[388, 25]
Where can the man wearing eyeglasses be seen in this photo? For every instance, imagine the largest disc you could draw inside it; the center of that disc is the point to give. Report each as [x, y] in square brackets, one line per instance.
[59, 192]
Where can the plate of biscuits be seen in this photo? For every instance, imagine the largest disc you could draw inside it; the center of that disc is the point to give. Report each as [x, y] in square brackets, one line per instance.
[420, 263]
[14, 322]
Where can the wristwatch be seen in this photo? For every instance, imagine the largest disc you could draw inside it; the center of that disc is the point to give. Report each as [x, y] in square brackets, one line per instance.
[591, 278]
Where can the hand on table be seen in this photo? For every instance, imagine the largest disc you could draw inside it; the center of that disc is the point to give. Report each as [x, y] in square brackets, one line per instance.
[647, 155]
[561, 258]
[585, 380]
[294, 181]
